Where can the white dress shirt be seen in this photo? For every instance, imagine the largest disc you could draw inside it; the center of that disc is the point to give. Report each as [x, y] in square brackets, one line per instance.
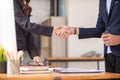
[108, 4]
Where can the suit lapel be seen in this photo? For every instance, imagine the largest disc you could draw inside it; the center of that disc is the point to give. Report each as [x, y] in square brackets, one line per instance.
[104, 8]
[111, 7]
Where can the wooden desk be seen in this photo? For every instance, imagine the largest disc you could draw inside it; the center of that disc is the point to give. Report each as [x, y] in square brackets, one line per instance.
[98, 59]
[89, 76]
[26, 77]
[57, 76]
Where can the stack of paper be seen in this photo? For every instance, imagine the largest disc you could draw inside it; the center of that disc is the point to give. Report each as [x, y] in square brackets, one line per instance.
[34, 69]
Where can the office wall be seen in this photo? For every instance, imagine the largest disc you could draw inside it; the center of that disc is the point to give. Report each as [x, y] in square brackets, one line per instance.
[82, 13]
[0, 38]
[41, 10]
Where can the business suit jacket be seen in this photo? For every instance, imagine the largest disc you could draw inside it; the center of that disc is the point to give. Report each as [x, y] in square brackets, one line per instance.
[104, 21]
[25, 28]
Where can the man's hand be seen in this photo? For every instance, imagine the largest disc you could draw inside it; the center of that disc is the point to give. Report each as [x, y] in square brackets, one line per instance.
[64, 31]
[111, 39]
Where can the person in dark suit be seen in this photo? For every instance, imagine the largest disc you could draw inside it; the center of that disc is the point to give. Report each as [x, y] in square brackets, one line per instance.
[108, 27]
[25, 28]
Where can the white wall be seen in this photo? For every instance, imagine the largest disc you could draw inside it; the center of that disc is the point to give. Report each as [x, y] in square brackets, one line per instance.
[82, 13]
[7, 30]
[41, 10]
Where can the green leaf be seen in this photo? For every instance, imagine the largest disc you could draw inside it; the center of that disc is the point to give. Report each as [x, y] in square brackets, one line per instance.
[2, 55]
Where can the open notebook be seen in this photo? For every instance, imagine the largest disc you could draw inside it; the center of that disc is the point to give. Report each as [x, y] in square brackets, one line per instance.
[34, 69]
[74, 70]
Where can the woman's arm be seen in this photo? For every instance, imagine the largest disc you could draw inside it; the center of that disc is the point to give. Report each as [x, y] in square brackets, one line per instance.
[24, 22]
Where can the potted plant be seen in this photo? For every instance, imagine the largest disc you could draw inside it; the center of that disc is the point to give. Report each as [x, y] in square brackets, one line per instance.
[3, 61]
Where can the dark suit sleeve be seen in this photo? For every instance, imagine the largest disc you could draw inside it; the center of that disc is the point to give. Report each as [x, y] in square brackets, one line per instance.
[31, 47]
[93, 32]
[25, 23]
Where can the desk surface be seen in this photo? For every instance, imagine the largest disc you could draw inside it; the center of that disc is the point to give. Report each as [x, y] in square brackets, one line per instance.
[57, 76]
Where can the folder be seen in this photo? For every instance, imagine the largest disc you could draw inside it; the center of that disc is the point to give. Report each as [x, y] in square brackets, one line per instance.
[74, 70]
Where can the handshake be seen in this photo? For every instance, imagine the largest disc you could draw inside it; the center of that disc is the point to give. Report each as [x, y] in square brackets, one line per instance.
[65, 31]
